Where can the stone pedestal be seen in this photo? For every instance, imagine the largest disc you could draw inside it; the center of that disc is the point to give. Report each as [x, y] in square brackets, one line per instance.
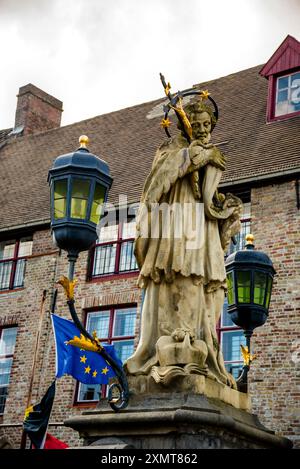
[211, 416]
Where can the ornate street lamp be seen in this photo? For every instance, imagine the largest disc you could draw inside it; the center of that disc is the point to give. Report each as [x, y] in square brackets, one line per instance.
[79, 185]
[250, 276]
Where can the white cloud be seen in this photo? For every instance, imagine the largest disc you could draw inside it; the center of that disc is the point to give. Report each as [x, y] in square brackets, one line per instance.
[98, 56]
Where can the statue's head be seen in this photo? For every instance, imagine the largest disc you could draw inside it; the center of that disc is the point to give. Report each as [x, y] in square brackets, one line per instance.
[202, 119]
[197, 107]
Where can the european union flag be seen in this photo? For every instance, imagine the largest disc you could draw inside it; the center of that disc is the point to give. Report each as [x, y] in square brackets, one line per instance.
[85, 366]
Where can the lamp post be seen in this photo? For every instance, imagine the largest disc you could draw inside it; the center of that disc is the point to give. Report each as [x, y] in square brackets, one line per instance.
[79, 184]
[250, 276]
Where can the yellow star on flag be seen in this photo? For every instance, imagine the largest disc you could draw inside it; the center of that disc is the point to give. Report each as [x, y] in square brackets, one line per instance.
[87, 369]
[105, 370]
[83, 359]
[95, 373]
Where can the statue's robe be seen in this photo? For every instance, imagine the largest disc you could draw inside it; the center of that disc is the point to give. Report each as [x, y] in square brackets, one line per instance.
[184, 276]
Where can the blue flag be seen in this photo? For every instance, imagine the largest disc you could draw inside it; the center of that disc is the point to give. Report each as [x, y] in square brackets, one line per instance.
[85, 366]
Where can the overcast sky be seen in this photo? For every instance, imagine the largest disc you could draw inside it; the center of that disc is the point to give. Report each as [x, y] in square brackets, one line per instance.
[98, 56]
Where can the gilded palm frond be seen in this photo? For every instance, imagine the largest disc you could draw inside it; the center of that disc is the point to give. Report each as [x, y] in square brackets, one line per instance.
[68, 286]
[247, 357]
[85, 344]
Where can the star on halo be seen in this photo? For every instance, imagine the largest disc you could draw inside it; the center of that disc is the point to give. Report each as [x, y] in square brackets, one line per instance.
[204, 95]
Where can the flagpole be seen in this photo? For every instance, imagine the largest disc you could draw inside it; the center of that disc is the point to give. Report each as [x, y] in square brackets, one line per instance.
[37, 342]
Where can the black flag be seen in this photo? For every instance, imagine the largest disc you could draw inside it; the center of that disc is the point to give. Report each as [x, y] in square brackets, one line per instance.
[37, 417]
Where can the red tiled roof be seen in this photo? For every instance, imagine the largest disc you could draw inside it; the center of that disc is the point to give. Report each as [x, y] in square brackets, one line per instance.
[127, 140]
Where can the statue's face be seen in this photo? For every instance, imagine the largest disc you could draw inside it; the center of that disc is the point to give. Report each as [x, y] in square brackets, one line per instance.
[201, 125]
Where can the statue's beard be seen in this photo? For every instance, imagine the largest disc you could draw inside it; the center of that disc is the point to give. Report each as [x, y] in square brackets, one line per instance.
[205, 139]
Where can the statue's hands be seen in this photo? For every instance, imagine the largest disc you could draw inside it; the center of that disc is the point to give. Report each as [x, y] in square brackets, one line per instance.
[198, 155]
[201, 155]
[216, 158]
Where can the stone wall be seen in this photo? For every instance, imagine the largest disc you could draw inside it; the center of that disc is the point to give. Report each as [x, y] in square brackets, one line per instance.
[275, 374]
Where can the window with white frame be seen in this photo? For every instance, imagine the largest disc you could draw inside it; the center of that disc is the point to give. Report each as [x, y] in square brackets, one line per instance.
[7, 346]
[231, 338]
[245, 229]
[13, 256]
[113, 252]
[287, 94]
[116, 326]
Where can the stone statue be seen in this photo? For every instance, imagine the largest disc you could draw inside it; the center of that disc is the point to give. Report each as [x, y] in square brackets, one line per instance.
[181, 256]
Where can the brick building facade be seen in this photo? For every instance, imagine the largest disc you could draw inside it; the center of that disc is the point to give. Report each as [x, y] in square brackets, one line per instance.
[263, 168]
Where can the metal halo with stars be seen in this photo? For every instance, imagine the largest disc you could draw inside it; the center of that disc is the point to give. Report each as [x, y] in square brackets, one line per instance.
[177, 97]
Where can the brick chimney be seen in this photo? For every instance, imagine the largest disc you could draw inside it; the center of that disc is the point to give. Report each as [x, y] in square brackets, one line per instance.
[36, 111]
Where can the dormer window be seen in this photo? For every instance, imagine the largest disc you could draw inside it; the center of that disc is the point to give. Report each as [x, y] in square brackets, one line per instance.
[283, 74]
[287, 94]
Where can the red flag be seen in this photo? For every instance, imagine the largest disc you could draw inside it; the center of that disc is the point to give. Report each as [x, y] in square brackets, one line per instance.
[53, 443]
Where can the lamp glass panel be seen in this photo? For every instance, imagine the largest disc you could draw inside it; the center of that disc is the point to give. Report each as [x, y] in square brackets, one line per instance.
[269, 290]
[60, 198]
[230, 293]
[80, 196]
[243, 286]
[260, 283]
[99, 196]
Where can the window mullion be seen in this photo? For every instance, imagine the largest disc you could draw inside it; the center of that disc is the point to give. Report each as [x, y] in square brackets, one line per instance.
[218, 329]
[104, 260]
[109, 340]
[111, 325]
[118, 248]
[14, 265]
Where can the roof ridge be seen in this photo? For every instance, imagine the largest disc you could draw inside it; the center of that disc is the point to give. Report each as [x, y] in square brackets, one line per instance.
[229, 75]
[6, 130]
[135, 106]
[89, 119]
